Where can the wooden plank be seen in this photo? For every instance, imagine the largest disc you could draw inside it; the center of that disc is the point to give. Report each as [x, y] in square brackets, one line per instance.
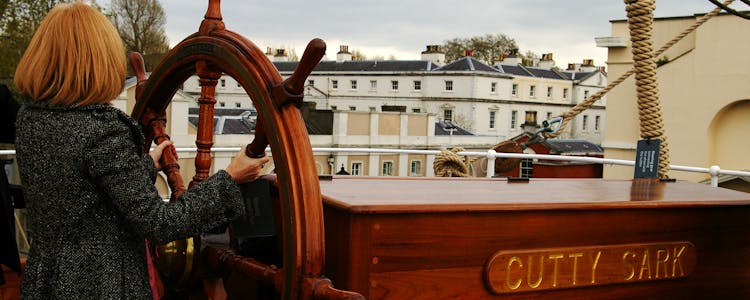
[432, 248]
[386, 195]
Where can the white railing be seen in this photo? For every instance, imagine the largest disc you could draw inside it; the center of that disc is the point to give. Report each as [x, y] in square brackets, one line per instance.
[713, 171]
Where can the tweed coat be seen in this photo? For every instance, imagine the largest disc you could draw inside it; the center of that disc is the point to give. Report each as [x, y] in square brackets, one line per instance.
[92, 202]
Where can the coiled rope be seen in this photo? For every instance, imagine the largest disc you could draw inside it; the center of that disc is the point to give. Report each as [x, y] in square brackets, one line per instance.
[449, 164]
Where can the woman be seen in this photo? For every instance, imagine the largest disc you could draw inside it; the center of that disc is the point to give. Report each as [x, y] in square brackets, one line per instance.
[88, 187]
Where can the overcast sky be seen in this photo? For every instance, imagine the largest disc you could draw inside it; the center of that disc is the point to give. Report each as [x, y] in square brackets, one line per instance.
[404, 27]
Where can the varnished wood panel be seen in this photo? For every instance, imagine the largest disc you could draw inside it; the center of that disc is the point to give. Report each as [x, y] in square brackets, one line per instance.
[405, 240]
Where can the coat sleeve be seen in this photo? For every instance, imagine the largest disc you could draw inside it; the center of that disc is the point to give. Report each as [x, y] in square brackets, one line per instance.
[122, 176]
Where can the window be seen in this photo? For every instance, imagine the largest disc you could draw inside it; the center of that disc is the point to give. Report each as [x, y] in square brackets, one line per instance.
[394, 85]
[527, 168]
[532, 91]
[238, 85]
[222, 104]
[585, 124]
[387, 168]
[237, 104]
[353, 84]
[415, 168]
[373, 84]
[416, 110]
[334, 84]
[565, 93]
[333, 107]
[449, 85]
[311, 82]
[597, 121]
[549, 91]
[417, 85]
[514, 90]
[585, 94]
[492, 119]
[513, 116]
[493, 87]
[356, 168]
[372, 108]
[448, 115]
[223, 82]
[549, 116]
[352, 108]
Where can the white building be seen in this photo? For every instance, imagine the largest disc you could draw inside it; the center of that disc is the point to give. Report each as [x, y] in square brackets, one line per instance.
[485, 100]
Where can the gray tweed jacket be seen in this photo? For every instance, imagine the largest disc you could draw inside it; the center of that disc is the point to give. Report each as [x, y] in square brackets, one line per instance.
[92, 202]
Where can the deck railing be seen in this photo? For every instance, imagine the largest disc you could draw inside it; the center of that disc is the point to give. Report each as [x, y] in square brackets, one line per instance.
[714, 171]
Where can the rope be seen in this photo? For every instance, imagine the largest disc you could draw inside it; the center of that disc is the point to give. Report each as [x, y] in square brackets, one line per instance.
[640, 22]
[588, 102]
[449, 164]
[635, 12]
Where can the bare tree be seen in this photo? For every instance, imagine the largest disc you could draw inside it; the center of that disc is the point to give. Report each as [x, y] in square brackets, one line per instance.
[18, 21]
[141, 27]
[486, 48]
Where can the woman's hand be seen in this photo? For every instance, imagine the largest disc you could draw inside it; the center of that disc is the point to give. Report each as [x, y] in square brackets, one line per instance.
[245, 169]
[157, 152]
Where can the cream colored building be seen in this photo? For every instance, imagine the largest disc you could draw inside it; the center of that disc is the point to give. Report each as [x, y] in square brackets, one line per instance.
[704, 91]
[483, 99]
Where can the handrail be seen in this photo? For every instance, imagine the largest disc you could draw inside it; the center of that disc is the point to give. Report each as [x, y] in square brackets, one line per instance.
[714, 171]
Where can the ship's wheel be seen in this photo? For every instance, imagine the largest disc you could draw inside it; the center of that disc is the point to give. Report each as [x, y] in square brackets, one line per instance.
[209, 53]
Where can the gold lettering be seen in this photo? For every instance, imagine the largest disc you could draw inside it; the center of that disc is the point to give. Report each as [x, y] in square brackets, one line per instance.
[662, 262]
[507, 273]
[628, 276]
[677, 262]
[575, 257]
[555, 257]
[645, 265]
[594, 264]
[541, 273]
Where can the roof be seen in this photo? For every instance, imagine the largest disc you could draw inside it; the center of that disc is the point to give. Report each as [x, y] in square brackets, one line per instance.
[571, 75]
[364, 66]
[545, 73]
[444, 128]
[572, 147]
[467, 63]
[228, 120]
[520, 70]
[514, 70]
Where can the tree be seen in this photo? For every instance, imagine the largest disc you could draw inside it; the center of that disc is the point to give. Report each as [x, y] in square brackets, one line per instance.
[18, 21]
[529, 58]
[486, 48]
[141, 27]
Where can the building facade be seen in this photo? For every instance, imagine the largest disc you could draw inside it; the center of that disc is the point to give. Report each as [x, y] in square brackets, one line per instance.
[704, 94]
[485, 100]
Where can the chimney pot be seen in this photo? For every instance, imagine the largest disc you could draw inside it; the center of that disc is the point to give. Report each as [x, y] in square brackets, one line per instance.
[344, 49]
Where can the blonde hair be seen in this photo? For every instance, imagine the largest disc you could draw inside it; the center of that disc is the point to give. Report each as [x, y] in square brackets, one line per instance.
[75, 57]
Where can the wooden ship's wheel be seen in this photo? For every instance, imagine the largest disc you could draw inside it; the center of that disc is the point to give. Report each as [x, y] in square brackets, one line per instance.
[209, 53]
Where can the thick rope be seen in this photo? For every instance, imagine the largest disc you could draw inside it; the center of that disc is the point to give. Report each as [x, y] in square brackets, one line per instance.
[580, 107]
[640, 22]
[449, 164]
[588, 102]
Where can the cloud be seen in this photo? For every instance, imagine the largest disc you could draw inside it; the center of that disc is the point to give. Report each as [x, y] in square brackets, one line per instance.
[403, 28]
